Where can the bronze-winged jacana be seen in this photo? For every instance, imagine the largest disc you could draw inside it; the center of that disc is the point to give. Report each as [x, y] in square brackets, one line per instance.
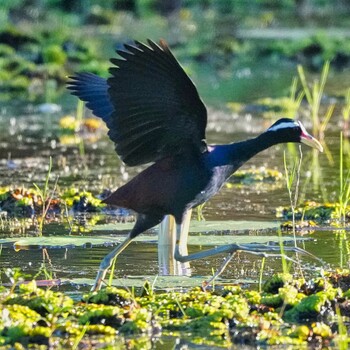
[155, 115]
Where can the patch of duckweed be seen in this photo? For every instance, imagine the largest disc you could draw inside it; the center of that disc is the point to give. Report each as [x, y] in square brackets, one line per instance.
[312, 212]
[21, 209]
[81, 201]
[255, 175]
[110, 296]
[277, 281]
[27, 202]
[288, 311]
[44, 302]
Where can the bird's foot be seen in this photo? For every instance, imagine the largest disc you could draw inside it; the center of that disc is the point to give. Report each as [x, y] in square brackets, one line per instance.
[98, 280]
[107, 262]
[102, 271]
[218, 272]
[270, 250]
[263, 250]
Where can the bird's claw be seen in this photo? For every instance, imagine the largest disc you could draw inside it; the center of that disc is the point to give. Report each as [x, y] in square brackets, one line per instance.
[98, 280]
[264, 249]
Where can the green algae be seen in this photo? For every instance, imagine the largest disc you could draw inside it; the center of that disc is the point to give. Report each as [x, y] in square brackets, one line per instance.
[277, 281]
[72, 196]
[254, 175]
[288, 311]
[314, 212]
[110, 296]
[23, 202]
[44, 302]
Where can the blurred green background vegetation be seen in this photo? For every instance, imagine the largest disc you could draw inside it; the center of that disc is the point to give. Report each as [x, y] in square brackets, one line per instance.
[47, 40]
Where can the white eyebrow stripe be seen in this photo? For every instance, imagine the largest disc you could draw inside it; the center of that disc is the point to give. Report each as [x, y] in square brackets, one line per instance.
[303, 130]
[283, 126]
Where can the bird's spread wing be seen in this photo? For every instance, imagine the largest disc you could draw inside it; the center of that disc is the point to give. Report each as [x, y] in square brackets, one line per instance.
[94, 91]
[156, 108]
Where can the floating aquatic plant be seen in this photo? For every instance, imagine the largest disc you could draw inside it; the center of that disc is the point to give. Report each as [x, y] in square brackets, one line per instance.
[313, 211]
[286, 311]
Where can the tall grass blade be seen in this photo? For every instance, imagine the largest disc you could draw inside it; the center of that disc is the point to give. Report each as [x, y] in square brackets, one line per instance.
[45, 197]
[262, 269]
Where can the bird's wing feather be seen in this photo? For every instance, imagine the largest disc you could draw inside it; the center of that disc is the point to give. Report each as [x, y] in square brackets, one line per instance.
[157, 111]
[94, 91]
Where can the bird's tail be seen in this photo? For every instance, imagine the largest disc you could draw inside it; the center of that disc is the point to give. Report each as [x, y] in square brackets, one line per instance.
[94, 91]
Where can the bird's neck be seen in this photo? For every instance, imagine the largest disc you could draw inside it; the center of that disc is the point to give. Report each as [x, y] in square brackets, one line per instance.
[247, 149]
[236, 154]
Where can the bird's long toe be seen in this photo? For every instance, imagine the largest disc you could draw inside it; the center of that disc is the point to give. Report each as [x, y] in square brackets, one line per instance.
[98, 281]
[266, 250]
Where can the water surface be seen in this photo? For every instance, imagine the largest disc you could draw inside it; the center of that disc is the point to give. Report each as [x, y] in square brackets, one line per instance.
[28, 138]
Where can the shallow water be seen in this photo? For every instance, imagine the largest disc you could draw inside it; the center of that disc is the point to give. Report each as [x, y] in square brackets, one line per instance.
[29, 138]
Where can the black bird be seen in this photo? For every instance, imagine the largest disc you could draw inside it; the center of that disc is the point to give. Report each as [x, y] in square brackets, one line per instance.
[155, 115]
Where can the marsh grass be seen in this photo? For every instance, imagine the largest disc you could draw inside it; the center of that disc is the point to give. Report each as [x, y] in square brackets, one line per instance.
[46, 267]
[293, 186]
[111, 274]
[199, 212]
[285, 265]
[342, 340]
[313, 93]
[15, 276]
[295, 96]
[346, 108]
[343, 248]
[178, 302]
[80, 336]
[344, 186]
[344, 175]
[45, 196]
[262, 266]
[149, 288]
[68, 217]
[2, 221]
[313, 96]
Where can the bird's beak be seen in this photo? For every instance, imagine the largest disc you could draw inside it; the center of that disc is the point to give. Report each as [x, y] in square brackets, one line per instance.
[309, 140]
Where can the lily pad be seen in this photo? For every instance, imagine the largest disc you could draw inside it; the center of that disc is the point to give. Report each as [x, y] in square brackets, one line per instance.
[158, 282]
[91, 241]
[61, 242]
[204, 226]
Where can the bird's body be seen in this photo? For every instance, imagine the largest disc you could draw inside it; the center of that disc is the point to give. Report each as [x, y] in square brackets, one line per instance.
[155, 191]
[175, 184]
[154, 114]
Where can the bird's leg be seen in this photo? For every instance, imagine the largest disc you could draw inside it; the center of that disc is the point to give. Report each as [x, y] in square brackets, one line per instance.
[219, 271]
[107, 262]
[184, 267]
[182, 237]
[143, 223]
[166, 246]
[253, 248]
[264, 250]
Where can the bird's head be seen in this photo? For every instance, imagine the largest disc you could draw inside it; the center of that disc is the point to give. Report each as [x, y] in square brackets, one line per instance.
[289, 130]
